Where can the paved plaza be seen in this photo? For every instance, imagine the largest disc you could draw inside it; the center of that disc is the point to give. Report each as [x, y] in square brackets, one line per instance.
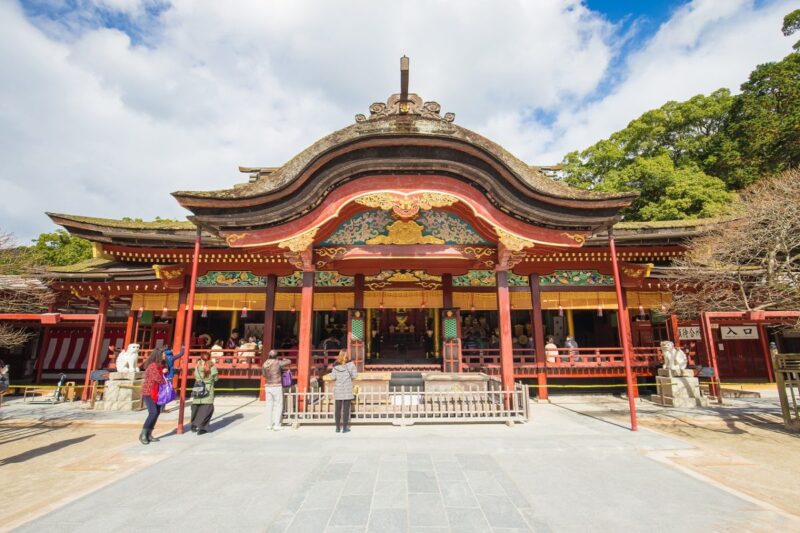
[563, 471]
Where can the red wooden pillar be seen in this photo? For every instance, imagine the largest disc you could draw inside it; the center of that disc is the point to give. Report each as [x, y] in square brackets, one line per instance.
[763, 335]
[188, 329]
[672, 329]
[359, 292]
[304, 342]
[506, 350]
[538, 335]
[180, 324]
[447, 291]
[180, 320]
[96, 343]
[623, 322]
[711, 353]
[130, 325]
[42, 352]
[268, 337]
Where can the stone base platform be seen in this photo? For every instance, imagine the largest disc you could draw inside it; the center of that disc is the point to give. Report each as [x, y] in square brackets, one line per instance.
[122, 392]
[681, 389]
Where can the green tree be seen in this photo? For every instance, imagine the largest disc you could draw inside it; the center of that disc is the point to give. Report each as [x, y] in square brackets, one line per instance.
[668, 155]
[764, 122]
[59, 249]
[791, 23]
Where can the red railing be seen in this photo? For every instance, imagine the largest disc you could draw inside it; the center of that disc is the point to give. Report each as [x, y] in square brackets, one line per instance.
[569, 362]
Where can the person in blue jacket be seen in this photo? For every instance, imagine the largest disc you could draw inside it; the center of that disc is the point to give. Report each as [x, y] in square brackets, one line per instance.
[171, 358]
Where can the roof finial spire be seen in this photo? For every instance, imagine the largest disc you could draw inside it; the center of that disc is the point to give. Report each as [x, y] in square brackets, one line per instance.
[404, 65]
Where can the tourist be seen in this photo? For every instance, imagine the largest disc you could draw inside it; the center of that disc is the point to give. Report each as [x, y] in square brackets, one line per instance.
[572, 344]
[273, 390]
[154, 371]
[330, 344]
[4, 378]
[216, 350]
[203, 406]
[233, 340]
[550, 349]
[248, 349]
[344, 371]
[170, 359]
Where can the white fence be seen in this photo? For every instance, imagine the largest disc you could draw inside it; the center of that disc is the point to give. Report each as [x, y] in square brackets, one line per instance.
[411, 405]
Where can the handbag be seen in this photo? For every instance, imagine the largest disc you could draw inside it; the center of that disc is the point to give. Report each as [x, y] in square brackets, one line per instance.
[356, 388]
[199, 390]
[166, 393]
[286, 378]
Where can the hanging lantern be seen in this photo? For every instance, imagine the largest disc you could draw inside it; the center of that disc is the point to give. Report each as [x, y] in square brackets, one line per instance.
[204, 311]
[600, 310]
[141, 311]
[244, 312]
[641, 311]
[164, 313]
[560, 310]
[293, 308]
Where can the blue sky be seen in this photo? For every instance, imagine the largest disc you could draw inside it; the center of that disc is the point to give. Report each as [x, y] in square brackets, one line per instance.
[109, 105]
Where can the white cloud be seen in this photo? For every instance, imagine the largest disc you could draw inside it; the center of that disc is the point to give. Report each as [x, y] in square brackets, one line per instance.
[93, 124]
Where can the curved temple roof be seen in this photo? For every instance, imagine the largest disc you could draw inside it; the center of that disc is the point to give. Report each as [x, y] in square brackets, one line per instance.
[402, 138]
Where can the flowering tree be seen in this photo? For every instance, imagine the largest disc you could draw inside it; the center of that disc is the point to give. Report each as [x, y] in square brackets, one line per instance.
[751, 263]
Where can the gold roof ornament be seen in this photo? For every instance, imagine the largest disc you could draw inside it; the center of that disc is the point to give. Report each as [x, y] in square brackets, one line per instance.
[299, 243]
[513, 243]
[405, 103]
[406, 206]
[405, 232]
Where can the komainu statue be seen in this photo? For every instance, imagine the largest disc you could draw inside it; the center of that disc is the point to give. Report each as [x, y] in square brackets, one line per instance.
[127, 360]
[674, 358]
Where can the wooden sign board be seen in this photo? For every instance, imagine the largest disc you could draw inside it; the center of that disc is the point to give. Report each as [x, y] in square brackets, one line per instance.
[738, 332]
[689, 333]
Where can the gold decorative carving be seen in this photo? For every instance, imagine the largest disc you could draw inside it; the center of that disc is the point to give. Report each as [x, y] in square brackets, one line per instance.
[413, 105]
[331, 253]
[405, 232]
[579, 238]
[167, 273]
[406, 206]
[233, 238]
[513, 243]
[299, 243]
[638, 271]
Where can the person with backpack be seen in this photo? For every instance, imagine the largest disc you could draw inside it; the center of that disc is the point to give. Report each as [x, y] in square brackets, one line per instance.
[205, 375]
[272, 369]
[154, 373]
[343, 373]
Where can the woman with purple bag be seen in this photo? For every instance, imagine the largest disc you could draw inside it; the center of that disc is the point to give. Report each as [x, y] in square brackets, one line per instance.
[274, 381]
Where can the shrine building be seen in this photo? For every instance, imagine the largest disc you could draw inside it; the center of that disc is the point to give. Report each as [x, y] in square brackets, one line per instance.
[404, 238]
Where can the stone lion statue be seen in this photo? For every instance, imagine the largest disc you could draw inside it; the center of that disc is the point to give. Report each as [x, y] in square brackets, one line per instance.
[127, 360]
[674, 358]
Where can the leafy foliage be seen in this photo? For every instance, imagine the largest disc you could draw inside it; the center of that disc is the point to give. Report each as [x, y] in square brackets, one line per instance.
[59, 249]
[686, 159]
[21, 290]
[791, 23]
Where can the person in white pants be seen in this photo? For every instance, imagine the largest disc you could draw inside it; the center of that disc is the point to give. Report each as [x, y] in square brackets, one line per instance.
[273, 390]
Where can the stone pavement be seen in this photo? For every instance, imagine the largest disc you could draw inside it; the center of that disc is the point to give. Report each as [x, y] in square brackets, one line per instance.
[563, 471]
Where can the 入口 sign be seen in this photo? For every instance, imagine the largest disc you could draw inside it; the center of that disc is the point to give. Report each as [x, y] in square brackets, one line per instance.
[738, 332]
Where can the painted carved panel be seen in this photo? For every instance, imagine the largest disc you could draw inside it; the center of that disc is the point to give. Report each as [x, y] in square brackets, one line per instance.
[576, 278]
[231, 278]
